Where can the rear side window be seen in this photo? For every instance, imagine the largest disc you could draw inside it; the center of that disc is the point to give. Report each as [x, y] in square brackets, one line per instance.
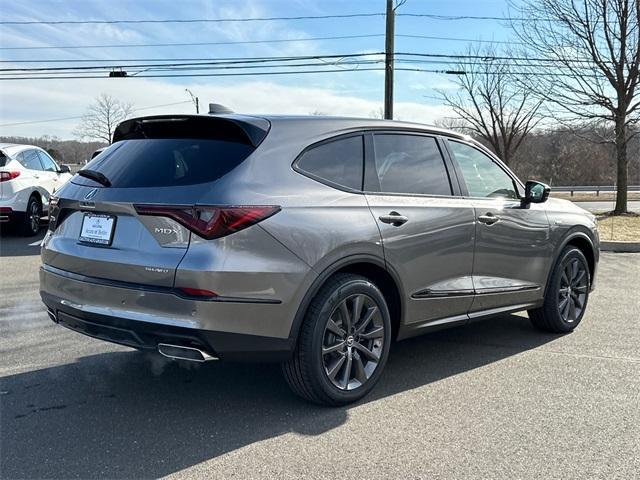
[164, 162]
[339, 162]
[410, 164]
[3, 159]
[30, 160]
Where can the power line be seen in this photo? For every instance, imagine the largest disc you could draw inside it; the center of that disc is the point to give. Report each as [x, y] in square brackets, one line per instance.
[434, 16]
[80, 116]
[196, 62]
[186, 66]
[431, 16]
[239, 74]
[205, 59]
[186, 20]
[194, 44]
[296, 72]
[249, 42]
[458, 39]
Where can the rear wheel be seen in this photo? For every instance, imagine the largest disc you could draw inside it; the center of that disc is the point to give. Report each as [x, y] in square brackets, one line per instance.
[343, 344]
[31, 221]
[567, 294]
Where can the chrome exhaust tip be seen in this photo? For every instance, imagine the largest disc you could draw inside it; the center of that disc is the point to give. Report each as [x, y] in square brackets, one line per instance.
[52, 315]
[178, 352]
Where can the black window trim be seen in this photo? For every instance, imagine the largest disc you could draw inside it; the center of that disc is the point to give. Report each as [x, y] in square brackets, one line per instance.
[463, 184]
[324, 181]
[370, 165]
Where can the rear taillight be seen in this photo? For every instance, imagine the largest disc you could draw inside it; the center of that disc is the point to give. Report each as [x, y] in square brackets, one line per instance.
[6, 176]
[211, 222]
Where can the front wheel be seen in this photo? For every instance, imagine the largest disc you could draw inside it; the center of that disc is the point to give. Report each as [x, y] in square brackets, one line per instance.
[343, 343]
[567, 295]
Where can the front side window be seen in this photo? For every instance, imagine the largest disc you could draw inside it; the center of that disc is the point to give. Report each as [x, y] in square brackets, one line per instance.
[47, 162]
[30, 160]
[339, 162]
[483, 176]
[410, 164]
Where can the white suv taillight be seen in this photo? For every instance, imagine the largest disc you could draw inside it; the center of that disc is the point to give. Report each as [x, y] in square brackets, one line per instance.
[6, 176]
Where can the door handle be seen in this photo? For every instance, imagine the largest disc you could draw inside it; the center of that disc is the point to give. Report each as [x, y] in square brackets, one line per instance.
[489, 218]
[393, 218]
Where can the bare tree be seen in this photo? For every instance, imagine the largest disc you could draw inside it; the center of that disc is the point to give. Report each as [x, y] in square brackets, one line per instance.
[582, 58]
[377, 113]
[489, 104]
[102, 117]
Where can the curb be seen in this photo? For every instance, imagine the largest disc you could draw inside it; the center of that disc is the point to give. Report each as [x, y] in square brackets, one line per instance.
[619, 246]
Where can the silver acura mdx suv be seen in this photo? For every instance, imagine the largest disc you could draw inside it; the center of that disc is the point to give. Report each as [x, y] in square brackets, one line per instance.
[311, 241]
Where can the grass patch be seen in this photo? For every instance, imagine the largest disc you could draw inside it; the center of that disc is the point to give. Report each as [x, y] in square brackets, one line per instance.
[619, 227]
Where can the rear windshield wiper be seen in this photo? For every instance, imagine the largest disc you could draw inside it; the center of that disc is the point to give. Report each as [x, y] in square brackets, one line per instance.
[95, 176]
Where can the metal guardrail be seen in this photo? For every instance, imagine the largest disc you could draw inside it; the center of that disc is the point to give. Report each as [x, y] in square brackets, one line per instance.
[592, 188]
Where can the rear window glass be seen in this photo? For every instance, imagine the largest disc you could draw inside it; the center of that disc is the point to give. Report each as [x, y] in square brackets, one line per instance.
[410, 164]
[167, 162]
[3, 159]
[340, 162]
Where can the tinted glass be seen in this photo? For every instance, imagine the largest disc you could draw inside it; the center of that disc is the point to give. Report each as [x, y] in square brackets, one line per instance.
[47, 162]
[31, 160]
[340, 162]
[167, 162]
[484, 177]
[410, 164]
[3, 159]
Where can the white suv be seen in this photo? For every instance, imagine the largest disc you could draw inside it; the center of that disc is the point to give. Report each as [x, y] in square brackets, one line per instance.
[28, 177]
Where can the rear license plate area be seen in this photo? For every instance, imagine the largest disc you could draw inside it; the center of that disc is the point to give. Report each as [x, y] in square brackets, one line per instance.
[97, 229]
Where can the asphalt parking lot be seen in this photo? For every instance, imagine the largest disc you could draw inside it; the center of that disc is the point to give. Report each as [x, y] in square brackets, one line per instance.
[491, 400]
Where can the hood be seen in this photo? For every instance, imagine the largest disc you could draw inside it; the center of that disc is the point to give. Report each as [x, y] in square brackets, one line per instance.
[566, 206]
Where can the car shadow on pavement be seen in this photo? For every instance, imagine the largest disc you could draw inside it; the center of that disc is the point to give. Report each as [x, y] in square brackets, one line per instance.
[134, 415]
[12, 244]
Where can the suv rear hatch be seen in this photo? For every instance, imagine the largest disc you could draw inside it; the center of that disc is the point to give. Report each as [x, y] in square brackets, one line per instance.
[130, 213]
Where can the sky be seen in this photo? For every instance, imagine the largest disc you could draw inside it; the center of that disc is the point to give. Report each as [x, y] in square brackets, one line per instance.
[43, 107]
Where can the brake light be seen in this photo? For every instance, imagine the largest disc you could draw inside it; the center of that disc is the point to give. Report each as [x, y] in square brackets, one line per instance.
[6, 176]
[211, 222]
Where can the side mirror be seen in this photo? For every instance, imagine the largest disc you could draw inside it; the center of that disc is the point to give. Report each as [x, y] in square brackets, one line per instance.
[64, 169]
[535, 192]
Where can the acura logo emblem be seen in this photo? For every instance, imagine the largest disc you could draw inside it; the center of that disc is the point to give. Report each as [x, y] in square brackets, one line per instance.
[91, 194]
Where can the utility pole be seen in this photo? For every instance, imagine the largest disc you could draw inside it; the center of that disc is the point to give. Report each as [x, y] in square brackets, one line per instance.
[194, 99]
[388, 61]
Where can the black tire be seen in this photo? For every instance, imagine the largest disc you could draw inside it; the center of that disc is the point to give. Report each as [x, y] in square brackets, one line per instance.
[308, 371]
[567, 295]
[30, 226]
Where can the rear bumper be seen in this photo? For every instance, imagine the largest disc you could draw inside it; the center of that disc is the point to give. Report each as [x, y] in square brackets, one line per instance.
[142, 318]
[147, 336]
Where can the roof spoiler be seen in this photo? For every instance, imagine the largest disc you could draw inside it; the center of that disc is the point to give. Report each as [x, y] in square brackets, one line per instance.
[248, 130]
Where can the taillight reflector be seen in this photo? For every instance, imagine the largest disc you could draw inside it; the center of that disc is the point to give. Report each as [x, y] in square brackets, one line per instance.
[197, 292]
[211, 221]
[6, 176]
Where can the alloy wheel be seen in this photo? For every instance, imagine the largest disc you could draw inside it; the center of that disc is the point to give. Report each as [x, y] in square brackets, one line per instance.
[353, 342]
[34, 216]
[572, 295]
